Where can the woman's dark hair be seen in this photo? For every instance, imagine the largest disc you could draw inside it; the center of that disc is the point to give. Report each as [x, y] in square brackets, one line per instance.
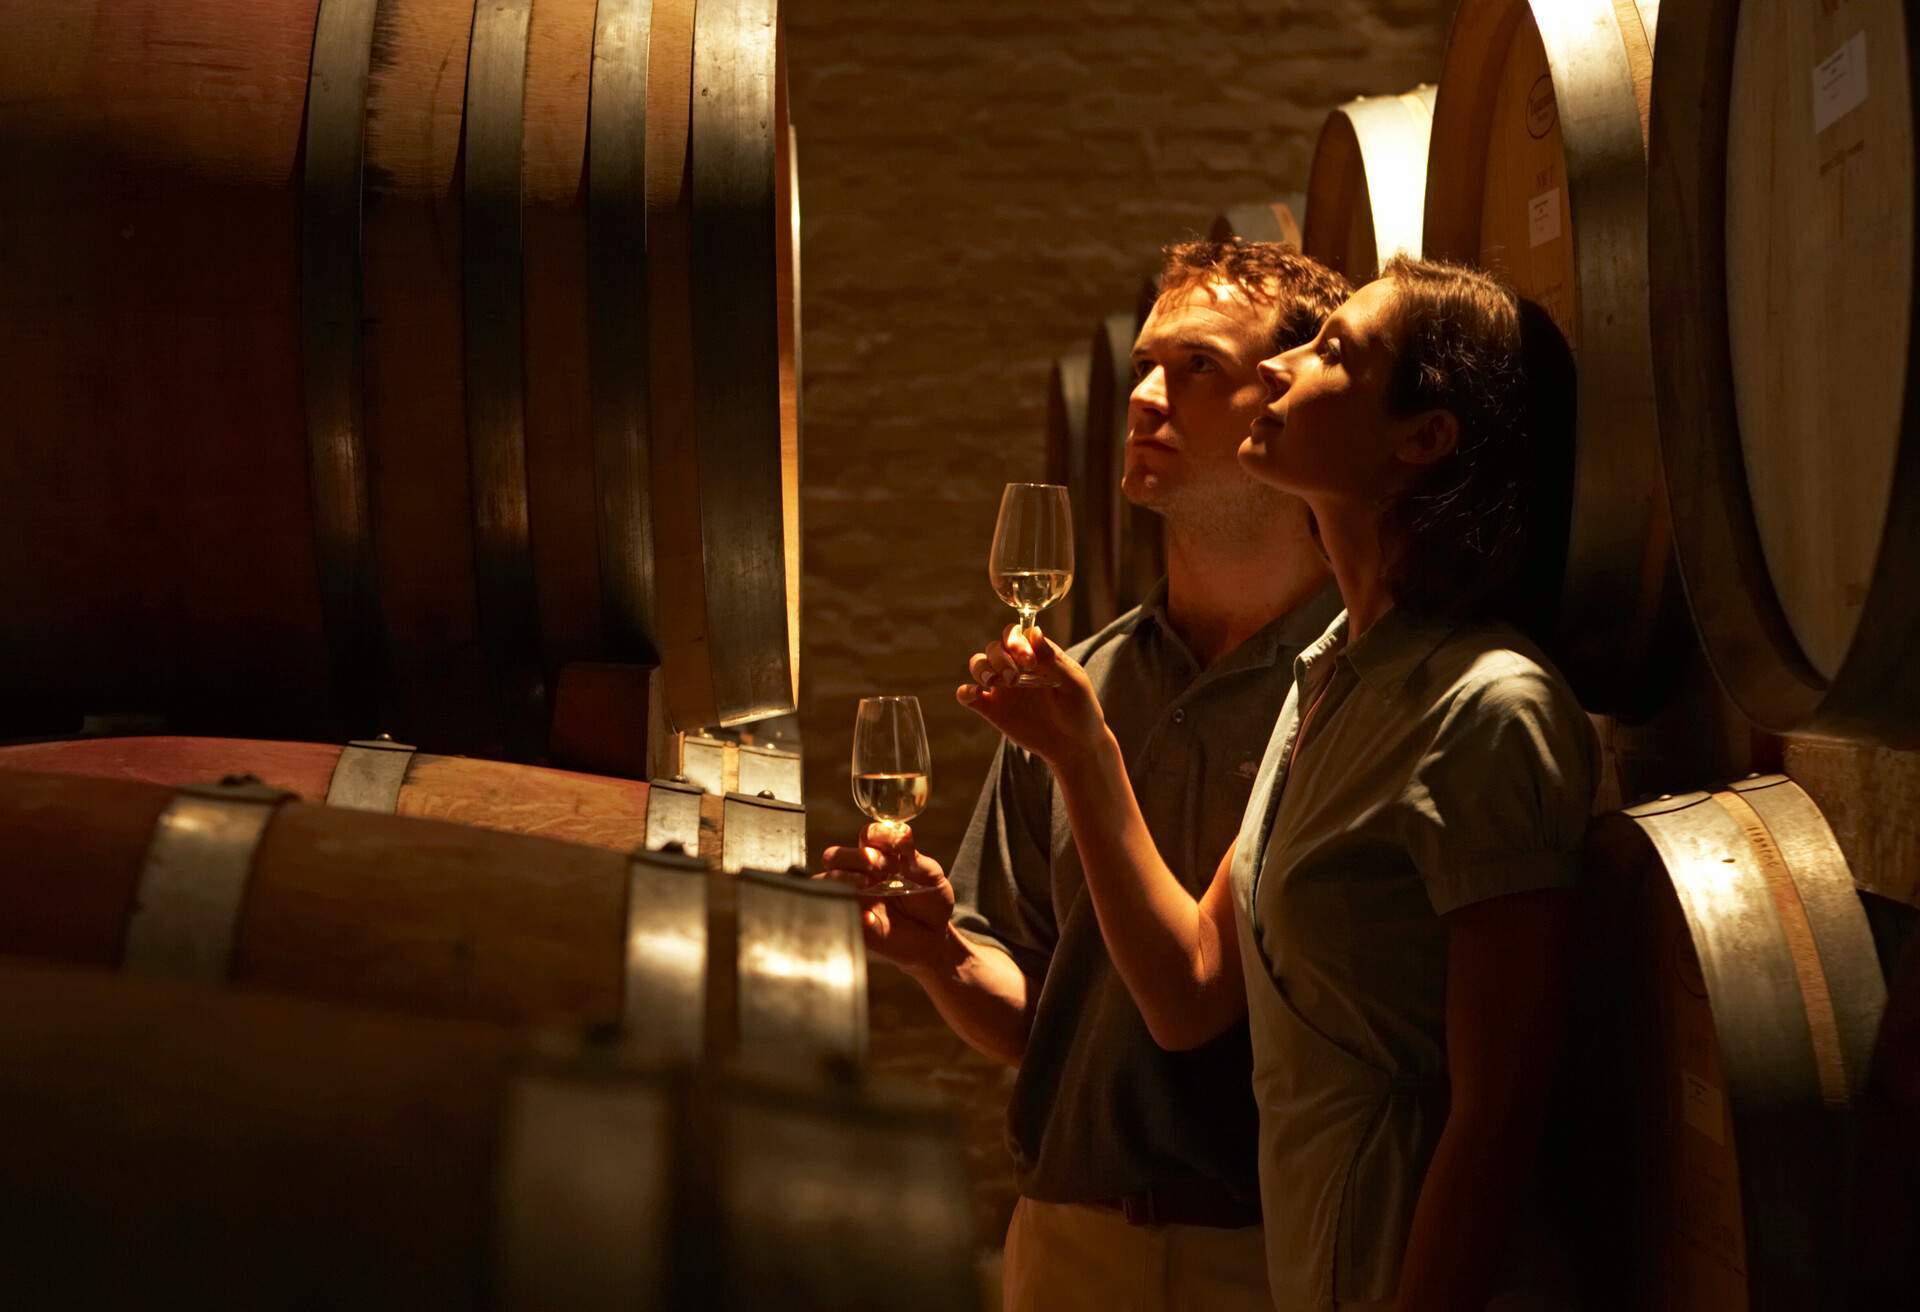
[1484, 532]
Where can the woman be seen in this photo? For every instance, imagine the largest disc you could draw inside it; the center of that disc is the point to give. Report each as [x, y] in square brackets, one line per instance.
[1395, 912]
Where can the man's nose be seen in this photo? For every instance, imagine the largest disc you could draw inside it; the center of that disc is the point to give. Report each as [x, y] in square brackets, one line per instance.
[1150, 393]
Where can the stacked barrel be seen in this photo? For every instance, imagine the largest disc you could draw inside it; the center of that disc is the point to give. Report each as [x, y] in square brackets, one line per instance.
[358, 379]
[426, 367]
[1736, 541]
[577, 1039]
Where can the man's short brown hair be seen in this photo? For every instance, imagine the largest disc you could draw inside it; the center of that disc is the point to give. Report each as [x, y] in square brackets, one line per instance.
[1301, 291]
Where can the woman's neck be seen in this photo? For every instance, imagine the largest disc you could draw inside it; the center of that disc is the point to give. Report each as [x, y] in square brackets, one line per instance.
[1351, 534]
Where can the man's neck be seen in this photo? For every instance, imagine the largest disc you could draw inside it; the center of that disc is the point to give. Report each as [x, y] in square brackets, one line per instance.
[1220, 594]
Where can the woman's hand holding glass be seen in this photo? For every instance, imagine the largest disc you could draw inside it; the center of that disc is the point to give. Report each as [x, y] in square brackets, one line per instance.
[1058, 720]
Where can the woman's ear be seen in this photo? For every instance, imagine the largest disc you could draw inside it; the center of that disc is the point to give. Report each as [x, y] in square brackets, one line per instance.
[1429, 439]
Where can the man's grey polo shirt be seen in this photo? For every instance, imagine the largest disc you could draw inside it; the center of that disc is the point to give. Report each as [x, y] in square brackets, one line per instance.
[1099, 1109]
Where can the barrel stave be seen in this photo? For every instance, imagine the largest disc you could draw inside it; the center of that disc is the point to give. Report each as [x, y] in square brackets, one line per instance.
[163, 343]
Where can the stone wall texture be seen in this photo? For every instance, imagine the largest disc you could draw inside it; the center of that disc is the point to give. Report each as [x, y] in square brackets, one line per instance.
[981, 182]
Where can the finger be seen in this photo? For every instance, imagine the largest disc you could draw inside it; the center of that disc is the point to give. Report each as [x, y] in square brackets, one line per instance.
[1048, 652]
[1017, 647]
[889, 836]
[979, 699]
[861, 860]
[854, 879]
[904, 854]
[981, 668]
[1003, 664]
[924, 873]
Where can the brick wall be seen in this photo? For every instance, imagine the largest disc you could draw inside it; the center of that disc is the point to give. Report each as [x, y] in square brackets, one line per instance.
[981, 182]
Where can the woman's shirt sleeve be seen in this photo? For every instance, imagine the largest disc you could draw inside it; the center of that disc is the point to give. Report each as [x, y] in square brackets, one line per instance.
[1499, 801]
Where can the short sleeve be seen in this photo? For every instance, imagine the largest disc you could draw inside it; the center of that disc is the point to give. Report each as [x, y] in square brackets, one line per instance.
[1002, 875]
[1500, 799]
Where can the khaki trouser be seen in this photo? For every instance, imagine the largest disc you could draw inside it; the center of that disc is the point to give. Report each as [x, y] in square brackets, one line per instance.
[1062, 1257]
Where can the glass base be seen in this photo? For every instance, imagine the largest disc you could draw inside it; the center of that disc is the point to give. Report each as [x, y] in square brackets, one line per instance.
[1028, 679]
[893, 888]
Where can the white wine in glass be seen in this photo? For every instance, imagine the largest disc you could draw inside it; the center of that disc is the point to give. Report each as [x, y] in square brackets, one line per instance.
[1031, 565]
[892, 770]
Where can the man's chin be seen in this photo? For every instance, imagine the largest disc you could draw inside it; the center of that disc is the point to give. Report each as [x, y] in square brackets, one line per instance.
[1145, 490]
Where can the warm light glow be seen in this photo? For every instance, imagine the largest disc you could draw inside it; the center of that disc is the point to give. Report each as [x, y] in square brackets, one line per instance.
[677, 952]
[764, 959]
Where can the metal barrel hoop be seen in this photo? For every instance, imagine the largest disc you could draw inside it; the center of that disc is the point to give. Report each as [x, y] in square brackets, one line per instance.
[494, 306]
[618, 317]
[664, 1009]
[802, 973]
[370, 774]
[194, 880]
[332, 353]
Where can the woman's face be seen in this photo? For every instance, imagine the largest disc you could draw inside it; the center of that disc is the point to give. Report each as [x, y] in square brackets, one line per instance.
[1325, 432]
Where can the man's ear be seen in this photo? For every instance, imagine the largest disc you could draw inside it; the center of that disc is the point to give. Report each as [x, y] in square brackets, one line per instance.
[1429, 439]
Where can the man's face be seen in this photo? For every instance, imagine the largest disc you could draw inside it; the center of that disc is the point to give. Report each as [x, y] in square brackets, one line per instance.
[1197, 390]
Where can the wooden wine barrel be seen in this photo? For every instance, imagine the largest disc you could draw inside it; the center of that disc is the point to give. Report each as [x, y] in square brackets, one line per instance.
[239, 883]
[329, 364]
[1867, 794]
[722, 291]
[1885, 1215]
[1135, 538]
[1068, 382]
[1280, 220]
[1540, 107]
[168, 1147]
[1367, 186]
[1731, 1011]
[374, 775]
[1145, 299]
[1783, 355]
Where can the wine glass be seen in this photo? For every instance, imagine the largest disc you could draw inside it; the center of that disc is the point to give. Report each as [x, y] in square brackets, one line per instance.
[892, 771]
[1031, 565]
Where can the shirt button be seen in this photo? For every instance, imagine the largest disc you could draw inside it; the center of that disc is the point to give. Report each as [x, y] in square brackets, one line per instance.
[1180, 715]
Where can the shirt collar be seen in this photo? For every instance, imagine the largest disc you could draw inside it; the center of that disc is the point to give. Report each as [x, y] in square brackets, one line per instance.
[1397, 644]
[1279, 639]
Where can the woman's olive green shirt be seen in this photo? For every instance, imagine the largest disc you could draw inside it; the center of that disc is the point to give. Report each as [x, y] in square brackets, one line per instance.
[1443, 765]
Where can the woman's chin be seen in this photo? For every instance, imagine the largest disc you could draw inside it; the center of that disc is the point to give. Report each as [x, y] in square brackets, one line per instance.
[1256, 459]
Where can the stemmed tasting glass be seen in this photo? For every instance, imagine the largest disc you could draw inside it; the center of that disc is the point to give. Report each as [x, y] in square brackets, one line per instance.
[892, 771]
[1031, 565]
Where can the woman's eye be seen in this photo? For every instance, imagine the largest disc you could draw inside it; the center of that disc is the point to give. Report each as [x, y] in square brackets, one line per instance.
[1330, 350]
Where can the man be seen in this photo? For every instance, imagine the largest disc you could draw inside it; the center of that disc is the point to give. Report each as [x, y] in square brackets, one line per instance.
[1136, 1165]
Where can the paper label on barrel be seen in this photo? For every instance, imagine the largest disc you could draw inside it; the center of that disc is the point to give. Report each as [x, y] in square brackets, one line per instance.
[1840, 83]
[1543, 218]
[1700, 1107]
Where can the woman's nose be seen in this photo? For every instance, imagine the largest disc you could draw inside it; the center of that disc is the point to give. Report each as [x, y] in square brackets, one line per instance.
[1273, 372]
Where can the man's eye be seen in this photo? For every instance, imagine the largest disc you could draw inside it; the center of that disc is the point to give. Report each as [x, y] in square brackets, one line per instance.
[1201, 364]
[1141, 368]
